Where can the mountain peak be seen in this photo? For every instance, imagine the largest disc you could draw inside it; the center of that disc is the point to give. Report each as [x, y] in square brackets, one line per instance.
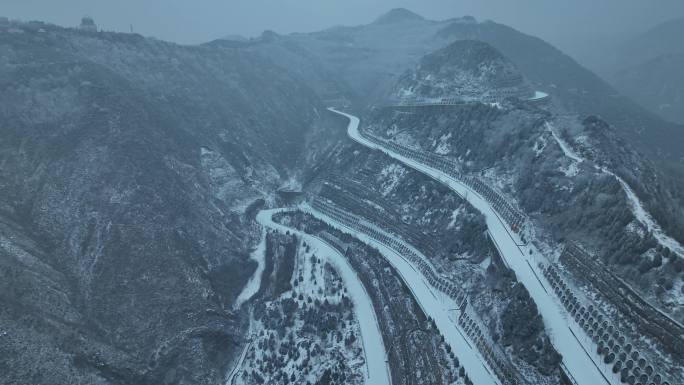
[469, 70]
[398, 15]
[238, 38]
[467, 54]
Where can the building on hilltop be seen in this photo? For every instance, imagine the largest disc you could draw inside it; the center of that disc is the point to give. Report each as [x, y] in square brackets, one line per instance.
[88, 24]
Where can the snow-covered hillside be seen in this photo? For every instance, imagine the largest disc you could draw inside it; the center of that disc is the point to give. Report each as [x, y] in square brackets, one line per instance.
[466, 71]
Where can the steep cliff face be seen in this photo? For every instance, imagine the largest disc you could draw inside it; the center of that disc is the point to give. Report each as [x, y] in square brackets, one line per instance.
[126, 165]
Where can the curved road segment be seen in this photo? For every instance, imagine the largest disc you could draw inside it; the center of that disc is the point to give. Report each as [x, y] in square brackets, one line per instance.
[576, 355]
[377, 367]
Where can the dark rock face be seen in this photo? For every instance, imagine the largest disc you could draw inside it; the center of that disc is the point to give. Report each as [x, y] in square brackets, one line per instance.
[125, 168]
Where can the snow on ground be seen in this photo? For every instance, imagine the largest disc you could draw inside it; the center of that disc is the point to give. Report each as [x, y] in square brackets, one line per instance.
[539, 146]
[539, 95]
[237, 368]
[570, 171]
[374, 348]
[576, 355]
[645, 217]
[635, 203]
[254, 283]
[405, 139]
[393, 174]
[454, 217]
[443, 148]
[292, 184]
[678, 288]
[636, 228]
[567, 149]
[434, 303]
[296, 348]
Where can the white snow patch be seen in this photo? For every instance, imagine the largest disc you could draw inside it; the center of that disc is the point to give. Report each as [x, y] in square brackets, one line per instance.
[443, 148]
[392, 175]
[539, 146]
[570, 170]
[454, 216]
[254, 283]
[635, 204]
[374, 348]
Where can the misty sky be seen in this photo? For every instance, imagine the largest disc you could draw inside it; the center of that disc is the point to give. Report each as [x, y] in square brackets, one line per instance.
[566, 23]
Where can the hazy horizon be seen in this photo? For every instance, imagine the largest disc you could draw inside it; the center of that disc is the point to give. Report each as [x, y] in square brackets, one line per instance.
[187, 23]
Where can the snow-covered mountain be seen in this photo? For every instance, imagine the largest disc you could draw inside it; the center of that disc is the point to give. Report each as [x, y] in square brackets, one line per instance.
[567, 174]
[193, 214]
[648, 68]
[466, 70]
[367, 60]
[128, 169]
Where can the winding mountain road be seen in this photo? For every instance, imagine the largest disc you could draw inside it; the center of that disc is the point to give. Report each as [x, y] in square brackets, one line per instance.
[435, 304]
[576, 355]
[377, 366]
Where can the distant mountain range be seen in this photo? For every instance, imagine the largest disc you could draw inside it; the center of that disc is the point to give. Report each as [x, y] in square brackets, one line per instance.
[650, 69]
[368, 59]
[127, 170]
